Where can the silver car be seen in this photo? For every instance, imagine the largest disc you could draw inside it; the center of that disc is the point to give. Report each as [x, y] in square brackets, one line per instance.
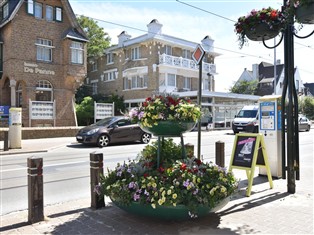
[304, 124]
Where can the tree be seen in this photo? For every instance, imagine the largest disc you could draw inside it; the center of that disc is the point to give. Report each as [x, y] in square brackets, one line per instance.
[85, 111]
[98, 39]
[83, 91]
[245, 87]
[118, 101]
[307, 107]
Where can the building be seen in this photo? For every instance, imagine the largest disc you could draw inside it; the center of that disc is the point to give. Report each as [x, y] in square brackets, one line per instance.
[42, 60]
[156, 63]
[264, 74]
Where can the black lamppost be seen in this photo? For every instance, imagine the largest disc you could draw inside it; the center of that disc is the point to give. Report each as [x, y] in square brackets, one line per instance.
[290, 161]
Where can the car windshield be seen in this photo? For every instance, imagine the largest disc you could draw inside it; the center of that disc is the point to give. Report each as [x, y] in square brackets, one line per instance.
[105, 121]
[247, 113]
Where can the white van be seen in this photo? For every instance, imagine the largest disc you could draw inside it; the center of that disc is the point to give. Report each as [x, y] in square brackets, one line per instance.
[246, 120]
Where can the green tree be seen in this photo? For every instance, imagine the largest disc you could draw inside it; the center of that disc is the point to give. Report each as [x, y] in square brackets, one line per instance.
[99, 40]
[118, 101]
[85, 111]
[245, 87]
[307, 107]
[83, 91]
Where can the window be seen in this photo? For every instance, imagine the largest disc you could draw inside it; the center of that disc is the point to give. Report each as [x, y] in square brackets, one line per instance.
[58, 14]
[38, 10]
[94, 88]
[94, 66]
[186, 54]
[109, 58]
[5, 11]
[171, 81]
[19, 99]
[44, 49]
[44, 91]
[30, 7]
[126, 83]
[135, 53]
[77, 53]
[109, 76]
[49, 13]
[168, 50]
[187, 83]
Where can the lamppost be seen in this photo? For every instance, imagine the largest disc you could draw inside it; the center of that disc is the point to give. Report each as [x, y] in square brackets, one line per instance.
[290, 146]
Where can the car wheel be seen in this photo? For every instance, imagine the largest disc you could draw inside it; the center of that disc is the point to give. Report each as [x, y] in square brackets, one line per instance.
[235, 132]
[103, 141]
[255, 130]
[145, 138]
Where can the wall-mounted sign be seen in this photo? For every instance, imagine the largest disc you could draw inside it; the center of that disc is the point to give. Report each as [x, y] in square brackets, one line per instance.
[103, 110]
[33, 68]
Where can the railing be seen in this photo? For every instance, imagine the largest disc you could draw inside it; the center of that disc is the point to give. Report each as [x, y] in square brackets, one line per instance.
[185, 63]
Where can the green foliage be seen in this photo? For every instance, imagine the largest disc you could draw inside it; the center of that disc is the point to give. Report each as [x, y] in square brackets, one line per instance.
[85, 111]
[82, 92]
[118, 101]
[98, 39]
[245, 87]
[306, 107]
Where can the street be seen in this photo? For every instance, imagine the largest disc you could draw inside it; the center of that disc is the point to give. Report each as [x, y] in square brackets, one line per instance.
[66, 169]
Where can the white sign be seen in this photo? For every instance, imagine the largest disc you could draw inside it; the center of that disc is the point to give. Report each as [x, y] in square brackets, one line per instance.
[103, 110]
[42, 110]
[33, 68]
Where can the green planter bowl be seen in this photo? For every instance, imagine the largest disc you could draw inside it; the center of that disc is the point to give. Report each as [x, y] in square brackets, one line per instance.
[169, 128]
[262, 32]
[305, 14]
[179, 212]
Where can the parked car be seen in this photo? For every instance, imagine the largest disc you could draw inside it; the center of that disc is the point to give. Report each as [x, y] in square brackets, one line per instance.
[304, 123]
[110, 130]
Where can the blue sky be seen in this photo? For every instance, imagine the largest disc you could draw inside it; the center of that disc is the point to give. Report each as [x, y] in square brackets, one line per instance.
[193, 20]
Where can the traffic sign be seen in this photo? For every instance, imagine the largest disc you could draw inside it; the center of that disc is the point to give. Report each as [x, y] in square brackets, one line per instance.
[198, 54]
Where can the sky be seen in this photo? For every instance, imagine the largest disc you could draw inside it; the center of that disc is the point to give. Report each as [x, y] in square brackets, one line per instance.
[192, 20]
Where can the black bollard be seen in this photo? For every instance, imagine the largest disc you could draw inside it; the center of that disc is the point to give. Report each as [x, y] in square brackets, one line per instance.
[35, 190]
[96, 169]
[6, 141]
[220, 153]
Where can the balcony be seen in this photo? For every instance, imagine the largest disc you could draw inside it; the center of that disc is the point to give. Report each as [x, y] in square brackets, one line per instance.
[180, 62]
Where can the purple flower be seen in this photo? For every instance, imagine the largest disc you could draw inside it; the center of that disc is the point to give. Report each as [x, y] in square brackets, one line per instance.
[131, 185]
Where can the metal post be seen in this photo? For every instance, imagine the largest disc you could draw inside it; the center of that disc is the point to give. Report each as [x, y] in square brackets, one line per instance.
[6, 141]
[96, 169]
[199, 101]
[189, 148]
[220, 153]
[35, 190]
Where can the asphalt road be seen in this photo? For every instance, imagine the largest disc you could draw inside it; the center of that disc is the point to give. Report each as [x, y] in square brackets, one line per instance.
[66, 169]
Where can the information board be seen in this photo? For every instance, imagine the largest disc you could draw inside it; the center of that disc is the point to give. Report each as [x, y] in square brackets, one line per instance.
[248, 152]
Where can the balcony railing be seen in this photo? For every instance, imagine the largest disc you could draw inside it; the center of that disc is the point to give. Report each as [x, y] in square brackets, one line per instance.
[185, 63]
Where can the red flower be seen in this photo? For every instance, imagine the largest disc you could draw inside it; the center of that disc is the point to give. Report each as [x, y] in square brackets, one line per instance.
[161, 169]
[273, 15]
[146, 175]
[183, 167]
[198, 161]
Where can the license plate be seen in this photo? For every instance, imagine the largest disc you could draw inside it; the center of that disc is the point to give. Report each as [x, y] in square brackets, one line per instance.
[79, 137]
[240, 128]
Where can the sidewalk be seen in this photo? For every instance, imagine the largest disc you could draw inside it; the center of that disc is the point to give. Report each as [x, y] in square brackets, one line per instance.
[266, 211]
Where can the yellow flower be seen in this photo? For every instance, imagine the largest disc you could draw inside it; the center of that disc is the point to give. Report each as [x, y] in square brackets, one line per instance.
[169, 192]
[174, 204]
[154, 205]
[174, 196]
[160, 202]
[156, 194]
[154, 185]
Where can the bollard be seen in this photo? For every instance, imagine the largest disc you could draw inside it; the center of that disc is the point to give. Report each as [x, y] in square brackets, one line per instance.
[6, 141]
[35, 190]
[96, 169]
[220, 153]
[189, 150]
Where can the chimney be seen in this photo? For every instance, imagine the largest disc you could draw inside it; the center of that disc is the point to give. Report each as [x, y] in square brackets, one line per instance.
[255, 71]
[208, 44]
[154, 27]
[124, 36]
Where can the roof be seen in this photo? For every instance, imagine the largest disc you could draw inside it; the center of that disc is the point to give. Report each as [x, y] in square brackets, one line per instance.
[78, 33]
[310, 88]
[72, 33]
[266, 70]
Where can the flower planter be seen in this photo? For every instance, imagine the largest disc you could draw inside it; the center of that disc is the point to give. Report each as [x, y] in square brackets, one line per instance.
[179, 212]
[262, 32]
[169, 128]
[305, 13]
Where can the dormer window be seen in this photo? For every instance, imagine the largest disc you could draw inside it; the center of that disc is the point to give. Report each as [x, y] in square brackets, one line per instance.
[135, 53]
[58, 14]
[5, 10]
[38, 10]
[49, 13]
[30, 7]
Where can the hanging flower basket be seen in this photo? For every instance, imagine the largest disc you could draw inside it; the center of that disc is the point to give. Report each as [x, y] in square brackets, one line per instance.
[178, 212]
[305, 13]
[262, 32]
[169, 128]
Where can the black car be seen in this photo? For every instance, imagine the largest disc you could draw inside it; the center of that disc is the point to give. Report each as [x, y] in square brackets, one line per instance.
[112, 130]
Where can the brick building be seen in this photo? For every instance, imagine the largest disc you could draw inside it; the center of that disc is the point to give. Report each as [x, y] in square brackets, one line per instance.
[153, 63]
[42, 60]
